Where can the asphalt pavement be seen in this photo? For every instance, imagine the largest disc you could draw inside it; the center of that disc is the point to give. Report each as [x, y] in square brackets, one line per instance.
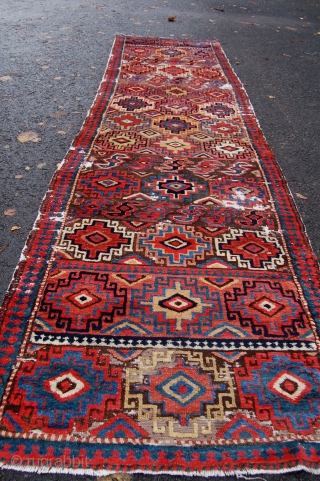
[53, 55]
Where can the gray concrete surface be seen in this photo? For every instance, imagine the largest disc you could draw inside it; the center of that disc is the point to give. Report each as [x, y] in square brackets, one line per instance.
[55, 52]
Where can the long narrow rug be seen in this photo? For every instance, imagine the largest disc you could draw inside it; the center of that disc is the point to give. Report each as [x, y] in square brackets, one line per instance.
[163, 318]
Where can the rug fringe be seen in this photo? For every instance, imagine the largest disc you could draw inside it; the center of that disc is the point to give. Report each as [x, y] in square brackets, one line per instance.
[106, 472]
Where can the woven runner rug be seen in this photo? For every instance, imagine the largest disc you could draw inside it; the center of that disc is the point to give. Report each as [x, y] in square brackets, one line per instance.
[163, 315]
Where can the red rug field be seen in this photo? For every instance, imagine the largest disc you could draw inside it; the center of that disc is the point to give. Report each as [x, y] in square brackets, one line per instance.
[163, 318]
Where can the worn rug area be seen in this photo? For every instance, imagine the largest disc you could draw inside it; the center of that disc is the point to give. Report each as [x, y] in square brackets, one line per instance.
[163, 317]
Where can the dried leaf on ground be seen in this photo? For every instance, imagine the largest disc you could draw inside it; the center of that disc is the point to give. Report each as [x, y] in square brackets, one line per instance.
[301, 196]
[15, 227]
[18, 176]
[41, 165]
[172, 19]
[10, 212]
[27, 168]
[61, 132]
[4, 247]
[5, 78]
[271, 97]
[117, 477]
[28, 137]
[59, 115]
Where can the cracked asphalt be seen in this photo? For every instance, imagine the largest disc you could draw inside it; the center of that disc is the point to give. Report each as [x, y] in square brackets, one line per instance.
[53, 55]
